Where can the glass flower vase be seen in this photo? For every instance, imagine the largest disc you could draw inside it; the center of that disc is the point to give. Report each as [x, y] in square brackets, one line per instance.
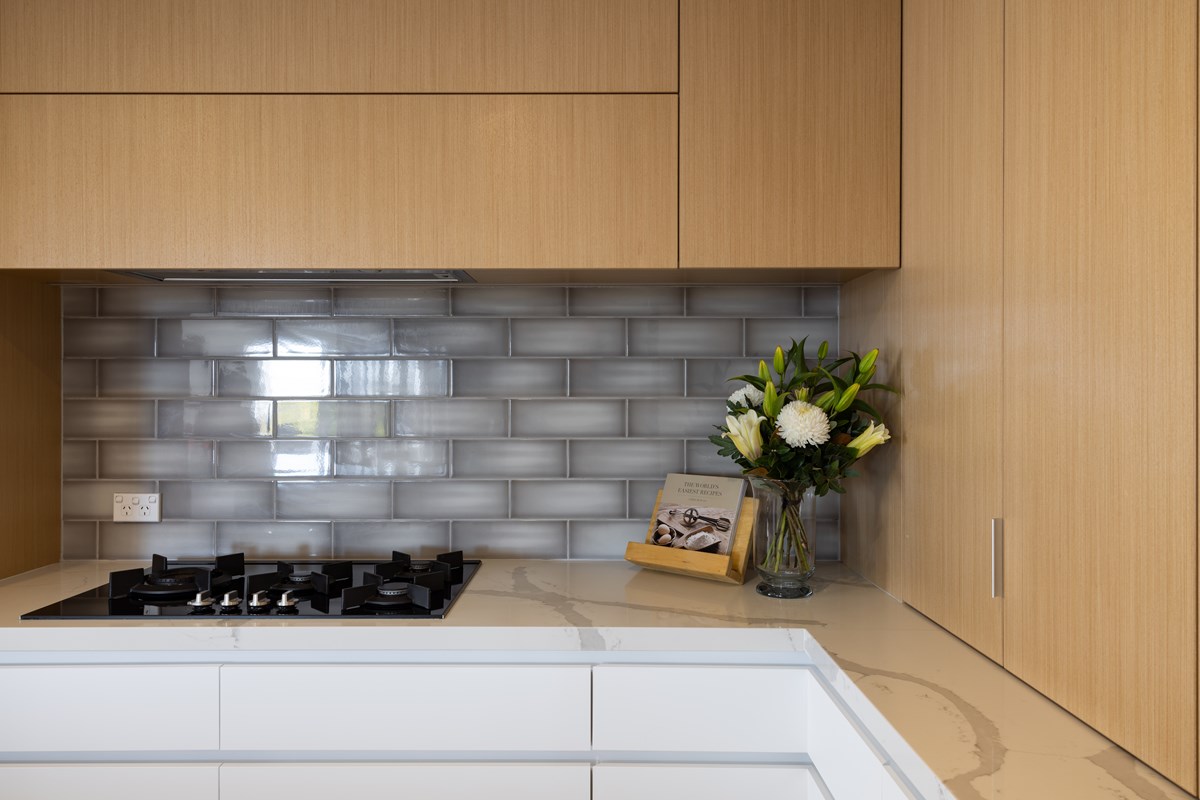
[782, 551]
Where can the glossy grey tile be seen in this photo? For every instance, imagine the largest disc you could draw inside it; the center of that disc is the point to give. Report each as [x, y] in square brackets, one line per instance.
[79, 540]
[157, 301]
[78, 378]
[444, 418]
[709, 377]
[218, 500]
[175, 539]
[377, 540]
[79, 459]
[451, 337]
[511, 458]
[331, 418]
[333, 337]
[570, 499]
[427, 458]
[158, 377]
[828, 544]
[685, 337]
[215, 419]
[78, 301]
[394, 378]
[604, 539]
[682, 418]
[511, 539]
[334, 499]
[642, 497]
[108, 338]
[744, 301]
[626, 458]
[701, 458]
[156, 460]
[764, 335]
[391, 301]
[282, 540]
[275, 459]
[451, 499]
[509, 377]
[568, 418]
[108, 419]
[626, 301]
[568, 337]
[275, 378]
[821, 301]
[275, 301]
[508, 301]
[94, 499]
[626, 377]
[214, 337]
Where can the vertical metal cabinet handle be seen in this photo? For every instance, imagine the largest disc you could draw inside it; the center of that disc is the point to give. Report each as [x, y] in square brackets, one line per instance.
[997, 558]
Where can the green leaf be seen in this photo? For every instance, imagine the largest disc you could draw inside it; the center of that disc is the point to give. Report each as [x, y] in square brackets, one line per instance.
[866, 408]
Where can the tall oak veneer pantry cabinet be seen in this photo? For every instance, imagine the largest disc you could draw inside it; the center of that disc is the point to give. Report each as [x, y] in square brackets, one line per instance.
[1044, 330]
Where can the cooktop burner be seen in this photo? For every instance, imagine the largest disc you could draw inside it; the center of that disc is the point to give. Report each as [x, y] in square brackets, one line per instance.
[399, 588]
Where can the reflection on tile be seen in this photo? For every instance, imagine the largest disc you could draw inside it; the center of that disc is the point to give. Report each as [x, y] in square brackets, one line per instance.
[78, 378]
[764, 335]
[156, 459]
[276, 539]
[642, 497]
[79, 459]
[275, 301]
[626, 458]
[744, 301]
[451, 499]
[691, 418]
[565, 418]
[333, 337]
[332, 418]
[509, 377]
[821, 301]
[99, 338]
[627, 377]
[175, 539]
[377, 540]
[625, 301]
[334, 500]
[217, 499]
[506, 539]
[391, 301]
[512, 458]
[709, 377]
[78, 302]
[395, 378]
[274, 378]
[701, 458]
[108, 419]
[214, 337]
[160, 377]
[685, 337]
[604, 539]
[393, 457]
[828, 540]
[217, 419]
[78, 540]
[451, 337]
[575, 499]
[156, 301]
[442, 418]
[508, 301]
[568, 337]
[94, 499]
[299, 459]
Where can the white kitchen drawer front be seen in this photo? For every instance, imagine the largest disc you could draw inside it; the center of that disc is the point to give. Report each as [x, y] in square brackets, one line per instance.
[848, 765]
[702, 782]
[457, 781]
[108, 781]
[111, 708]
[408, 707]
[698, 709]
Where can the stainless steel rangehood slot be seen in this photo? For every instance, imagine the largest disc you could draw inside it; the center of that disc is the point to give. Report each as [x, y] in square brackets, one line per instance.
[301, 276]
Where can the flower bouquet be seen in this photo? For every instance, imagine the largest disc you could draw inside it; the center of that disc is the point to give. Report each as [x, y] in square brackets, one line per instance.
[795, 435]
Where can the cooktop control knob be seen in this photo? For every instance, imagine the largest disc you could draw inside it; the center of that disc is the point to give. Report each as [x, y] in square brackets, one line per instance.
[201, 600]
[286, 600]
[260, 600]
[231, 600]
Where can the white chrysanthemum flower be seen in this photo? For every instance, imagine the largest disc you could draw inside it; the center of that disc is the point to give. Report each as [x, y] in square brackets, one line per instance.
[747, 396]
[802, 424]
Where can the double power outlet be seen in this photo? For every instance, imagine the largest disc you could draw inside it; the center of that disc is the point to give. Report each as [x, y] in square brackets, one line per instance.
[137, 508]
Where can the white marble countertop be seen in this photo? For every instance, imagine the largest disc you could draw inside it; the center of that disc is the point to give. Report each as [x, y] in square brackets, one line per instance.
[983, 732]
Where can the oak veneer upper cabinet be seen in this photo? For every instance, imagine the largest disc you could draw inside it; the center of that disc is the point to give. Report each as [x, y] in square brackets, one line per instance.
[790, 133]
[1100, 366]
[341, 46]
[367, 181]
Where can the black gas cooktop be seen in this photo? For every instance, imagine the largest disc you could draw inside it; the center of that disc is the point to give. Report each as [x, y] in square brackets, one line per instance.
[232, 587]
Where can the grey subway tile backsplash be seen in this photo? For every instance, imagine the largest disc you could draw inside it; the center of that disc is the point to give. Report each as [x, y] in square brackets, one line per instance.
[348, 422]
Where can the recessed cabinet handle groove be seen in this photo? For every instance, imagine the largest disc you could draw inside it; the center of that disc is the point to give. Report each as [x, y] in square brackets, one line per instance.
[997, 558]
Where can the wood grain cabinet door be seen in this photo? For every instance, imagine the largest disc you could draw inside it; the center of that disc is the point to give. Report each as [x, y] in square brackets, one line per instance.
[326, 181]
[790, 133]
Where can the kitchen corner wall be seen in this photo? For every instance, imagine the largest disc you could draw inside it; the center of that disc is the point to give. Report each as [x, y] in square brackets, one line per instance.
[506, 421]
